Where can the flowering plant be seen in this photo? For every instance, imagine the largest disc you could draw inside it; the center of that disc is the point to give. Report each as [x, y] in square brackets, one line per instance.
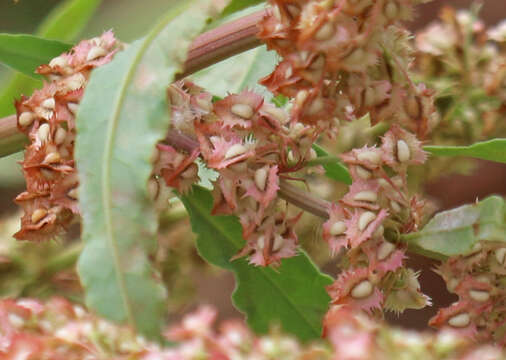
[119, 134]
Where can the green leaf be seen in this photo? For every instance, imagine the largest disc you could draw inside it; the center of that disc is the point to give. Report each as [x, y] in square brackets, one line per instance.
[122, 116]
[292, 295]
[456, 231]
[493, 150]
[25, 53]
[336, 170]
[65, 22]
[238, 73]
[238, 5]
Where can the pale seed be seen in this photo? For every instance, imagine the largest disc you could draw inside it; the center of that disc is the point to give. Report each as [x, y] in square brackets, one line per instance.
[278, 243]
[385, 250]
[365, 219]
[363, 173]
[95, 53]
[500, 255]
[73, 194]
[52, 158]
[368, 196]
[337, 228]
[38, 215]
[60, 136]
[479, 295]
[362, 289]
[26, 118]
[43, 132]
[371, 156]
[395, 206]
[460, 320]
[242, 110]
[379, 231]
[235, 150]
[261, 242]
[403, 153]
[59, 61]
[49, 103]
[261, 178]
[316, 106]
[73, 107]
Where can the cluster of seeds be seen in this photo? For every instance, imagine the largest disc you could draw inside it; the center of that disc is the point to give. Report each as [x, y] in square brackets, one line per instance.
[479, 279]
[344, 59]
[48, 119]
[460, 50]
[58, 330]
[374, 276]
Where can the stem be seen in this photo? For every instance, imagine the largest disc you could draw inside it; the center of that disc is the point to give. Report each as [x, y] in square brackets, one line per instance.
[209, 48]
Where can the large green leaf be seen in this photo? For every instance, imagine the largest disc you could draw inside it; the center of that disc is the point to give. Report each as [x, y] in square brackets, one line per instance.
[25, 53]
[456, 231]
[494, 150]
[122, 116]
[292, 295]
[334, 170]
[63, 23]
[238, 73]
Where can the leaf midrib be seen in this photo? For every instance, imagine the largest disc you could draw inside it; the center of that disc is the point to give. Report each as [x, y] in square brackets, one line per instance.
[210, 219]
[107, 158]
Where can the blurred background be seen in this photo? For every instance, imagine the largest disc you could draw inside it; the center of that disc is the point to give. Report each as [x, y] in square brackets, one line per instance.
[25, 272]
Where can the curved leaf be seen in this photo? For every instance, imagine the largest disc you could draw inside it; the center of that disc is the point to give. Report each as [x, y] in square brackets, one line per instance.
[238, 73]
[63, 23]
[456, 231]
[493, 150]
[25, 53]
[122, 116]
[293, 295]
[336, 170]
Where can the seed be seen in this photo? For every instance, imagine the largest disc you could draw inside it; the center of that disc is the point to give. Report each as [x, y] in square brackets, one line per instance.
[73, 194]
[391, 10]
[325, 32]
[476, 248]
[291, 158]
[190, 172]
[371, 156]
[261, 178]
[38, 214]
[49, 103]
[26, 118]
[73, 107]
[293, 10]
[311, 154]
[298, 129]
[301, 97]
[500, 255]
[52, 158]
[479, 295]
[460, 320]
[43, 132]
[303, 55]
[278, 114]
[60, 136]
[288, 72]
[379, 231]
[412, 107]
[362, 289]
[75, 82]
[362, 172]
[278, 243]
[385, 250]
[369, 196]
[95, 53]
[403, 153]
[337, 228]
[316, 106]
[398, 181]
[365, 219]
[235, 150]
[395, 206]
[59, 61]
[261, 242]
[242, 110]
[383, 183]
[204, 104]
[452, 284]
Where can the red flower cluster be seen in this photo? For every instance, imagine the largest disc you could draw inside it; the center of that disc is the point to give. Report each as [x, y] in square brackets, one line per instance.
[48, 118]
